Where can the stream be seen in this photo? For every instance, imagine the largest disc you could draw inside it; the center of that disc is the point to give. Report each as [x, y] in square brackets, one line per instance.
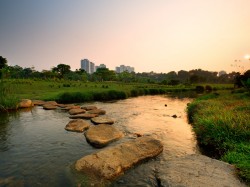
[36, 150]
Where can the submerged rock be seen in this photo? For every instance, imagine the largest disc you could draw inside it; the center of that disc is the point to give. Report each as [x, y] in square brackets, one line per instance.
[25, 103]
[89, 107]
[83, 116]
[97, 111]
[112, 162]
[77, 125]
[76, 111]
[102, 120]
[197, 170]
[102, 135]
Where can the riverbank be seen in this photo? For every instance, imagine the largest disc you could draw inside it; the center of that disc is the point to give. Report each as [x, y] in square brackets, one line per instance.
[221, 123]
[64, 91]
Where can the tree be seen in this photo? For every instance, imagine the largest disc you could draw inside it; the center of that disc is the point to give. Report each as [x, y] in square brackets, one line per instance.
[104, 74]
[61, 69]
[3, 62]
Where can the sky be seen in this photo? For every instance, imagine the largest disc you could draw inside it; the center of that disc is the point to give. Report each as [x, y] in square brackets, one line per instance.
[149, 35]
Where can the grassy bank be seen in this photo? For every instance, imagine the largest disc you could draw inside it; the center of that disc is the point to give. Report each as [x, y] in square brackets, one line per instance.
[64, 91]
[222, 125]
[8, 96]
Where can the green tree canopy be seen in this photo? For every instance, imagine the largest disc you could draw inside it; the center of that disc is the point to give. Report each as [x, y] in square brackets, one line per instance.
[61, 69]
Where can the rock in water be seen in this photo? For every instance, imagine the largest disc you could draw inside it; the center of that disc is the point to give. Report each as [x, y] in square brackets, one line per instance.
[89, 107]
[77, 125]
[49, 107]
[102, 120]
[112, 162]
[25, 103]
[101, 135]
[97, 111]
[197, 170]
[38, 102]
[75, 111]
[83, 116]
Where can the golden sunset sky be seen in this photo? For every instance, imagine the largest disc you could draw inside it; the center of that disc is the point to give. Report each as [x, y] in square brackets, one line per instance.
[150, 35]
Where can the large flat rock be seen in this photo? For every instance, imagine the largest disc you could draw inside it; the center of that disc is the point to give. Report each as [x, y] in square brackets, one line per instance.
[77, 125]
[197, 170]
[112, 162]
[101, 135]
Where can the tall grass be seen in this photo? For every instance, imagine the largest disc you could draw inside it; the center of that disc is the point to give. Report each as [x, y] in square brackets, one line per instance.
[8, 98]
[222, 125]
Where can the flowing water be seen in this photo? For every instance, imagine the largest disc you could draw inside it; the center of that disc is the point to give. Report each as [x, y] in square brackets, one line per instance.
[35, 150]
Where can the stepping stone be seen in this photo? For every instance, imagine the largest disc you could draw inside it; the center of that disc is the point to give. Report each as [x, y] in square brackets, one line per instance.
[83, 116]
[102, 120]
[38, 102]
[71, 107]
[97, 111]
[112, 162]
[101, 135]
[77, 125]
[51, 103]
[89, 107]
[49, 107]
[25, 103]
[76, 111]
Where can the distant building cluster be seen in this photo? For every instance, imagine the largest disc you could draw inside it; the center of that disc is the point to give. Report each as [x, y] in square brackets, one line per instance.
[90, 67]
[123, 68]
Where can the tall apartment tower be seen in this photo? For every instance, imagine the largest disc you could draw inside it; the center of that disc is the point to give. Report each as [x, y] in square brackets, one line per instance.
[88, 66]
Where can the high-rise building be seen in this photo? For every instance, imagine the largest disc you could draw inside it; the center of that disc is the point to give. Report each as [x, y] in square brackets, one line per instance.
[123, 68]
[88, 66]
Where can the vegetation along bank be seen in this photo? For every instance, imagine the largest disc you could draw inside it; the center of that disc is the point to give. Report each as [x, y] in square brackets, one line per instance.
[221, 123]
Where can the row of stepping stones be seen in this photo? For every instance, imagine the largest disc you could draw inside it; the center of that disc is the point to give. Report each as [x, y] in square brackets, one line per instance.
[98, 135]
[110, 163]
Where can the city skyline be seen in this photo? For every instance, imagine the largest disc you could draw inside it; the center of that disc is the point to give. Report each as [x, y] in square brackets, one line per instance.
[159, 36]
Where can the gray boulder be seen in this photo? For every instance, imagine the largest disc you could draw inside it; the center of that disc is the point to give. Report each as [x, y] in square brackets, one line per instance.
[83, 116]
[101, 135]
[197, 170]
[77, 125]
[102, 120]
[112, 162]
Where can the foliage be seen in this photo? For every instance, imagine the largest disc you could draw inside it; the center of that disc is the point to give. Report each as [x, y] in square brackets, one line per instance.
[221, 122]
[7, 98]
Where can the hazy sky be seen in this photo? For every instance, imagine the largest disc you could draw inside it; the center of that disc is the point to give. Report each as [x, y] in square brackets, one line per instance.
[150, 35]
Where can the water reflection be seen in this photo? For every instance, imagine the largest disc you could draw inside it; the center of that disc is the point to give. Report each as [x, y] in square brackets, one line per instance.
[35, 150]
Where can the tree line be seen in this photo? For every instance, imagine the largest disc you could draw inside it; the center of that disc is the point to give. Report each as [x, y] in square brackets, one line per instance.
[63, 71]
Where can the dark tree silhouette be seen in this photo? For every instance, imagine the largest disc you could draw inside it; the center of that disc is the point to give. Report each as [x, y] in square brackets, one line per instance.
[3, 62]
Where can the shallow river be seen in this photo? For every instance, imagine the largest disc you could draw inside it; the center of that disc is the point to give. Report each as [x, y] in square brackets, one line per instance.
[35, 150]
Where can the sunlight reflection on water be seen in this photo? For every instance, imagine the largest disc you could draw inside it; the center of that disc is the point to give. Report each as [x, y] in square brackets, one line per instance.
[37, 151]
